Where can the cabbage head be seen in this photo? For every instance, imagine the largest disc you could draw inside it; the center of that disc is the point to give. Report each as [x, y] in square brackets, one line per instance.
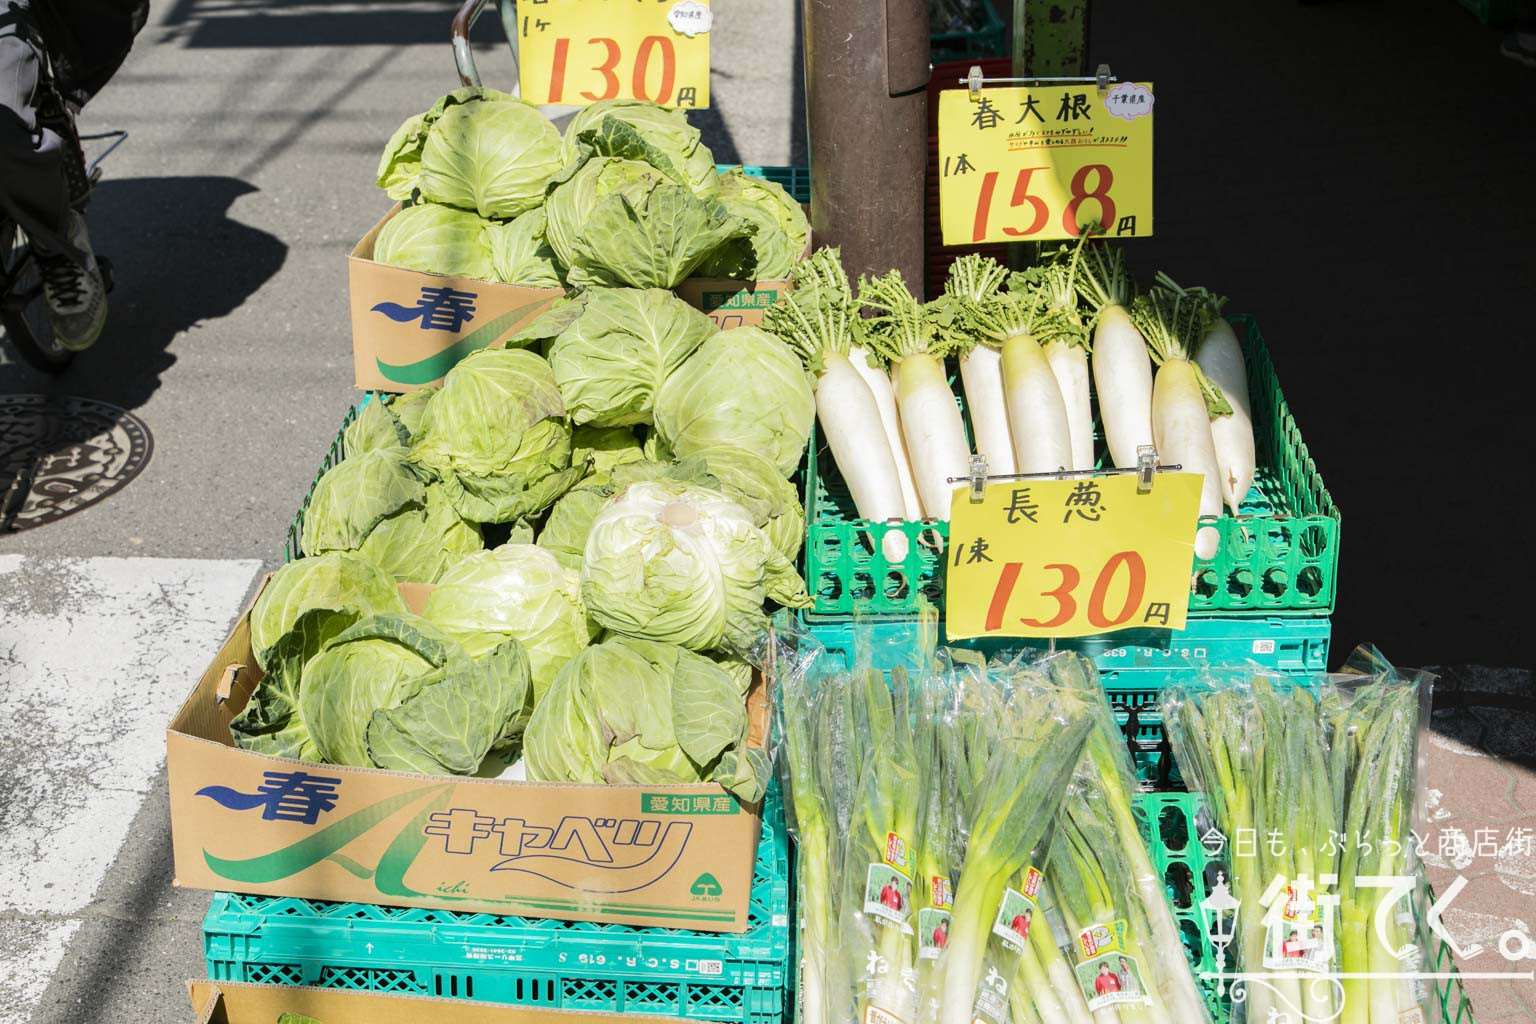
[758, 486]
[375, 426]
[642, 711]
[347, 586]
[743, 388]
[409, 408]
[604, 448]
[495, 433]
[780, 238]
[391, 692]
[610, 360]
[570, 520]
[493, 156]
[673, 561]
[378, 504]
[520, 254]
[638, 130]
[617, 222]
[518, 591]
[400, 163]
[436, 240]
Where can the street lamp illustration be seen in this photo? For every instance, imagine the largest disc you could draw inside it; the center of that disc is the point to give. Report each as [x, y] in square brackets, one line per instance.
[1221, 922]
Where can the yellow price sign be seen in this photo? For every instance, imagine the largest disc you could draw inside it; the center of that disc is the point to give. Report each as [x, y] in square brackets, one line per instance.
[582, 51]
[1071, 557]
[1032, 164]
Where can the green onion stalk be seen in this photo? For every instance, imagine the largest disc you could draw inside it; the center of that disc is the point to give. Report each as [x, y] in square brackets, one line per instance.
[1035, 744]
[1104, 776]
[876, 926]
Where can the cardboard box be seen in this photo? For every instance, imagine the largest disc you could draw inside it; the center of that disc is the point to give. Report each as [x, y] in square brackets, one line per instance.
[732, 303]
[409, 328]
[228, 1002]
[675, 856]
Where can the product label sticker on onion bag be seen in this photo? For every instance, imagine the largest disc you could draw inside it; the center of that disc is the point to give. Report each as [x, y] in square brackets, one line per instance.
[1038, 163]
[933, 920]
[1106, 970]
[583, 51]
[1071, 557]
[1298, 930]
[888, 896]
[1016, 912]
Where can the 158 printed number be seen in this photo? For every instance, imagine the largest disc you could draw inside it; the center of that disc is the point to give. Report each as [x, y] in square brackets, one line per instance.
[1035, 210]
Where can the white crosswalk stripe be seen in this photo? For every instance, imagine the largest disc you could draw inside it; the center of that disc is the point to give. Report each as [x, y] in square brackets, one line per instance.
[95, 656]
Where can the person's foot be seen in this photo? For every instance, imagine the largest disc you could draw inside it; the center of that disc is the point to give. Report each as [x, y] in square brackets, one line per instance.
[1520, 46]
[76, 295]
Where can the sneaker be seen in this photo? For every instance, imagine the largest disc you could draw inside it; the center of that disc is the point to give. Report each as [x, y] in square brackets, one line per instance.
[1520, 46]
[76, 295]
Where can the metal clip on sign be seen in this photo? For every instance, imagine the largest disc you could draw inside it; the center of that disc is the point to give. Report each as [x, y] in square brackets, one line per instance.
[974, 80]
[1146, 469]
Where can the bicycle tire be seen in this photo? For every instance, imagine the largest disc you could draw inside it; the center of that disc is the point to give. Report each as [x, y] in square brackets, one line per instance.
[23, 316]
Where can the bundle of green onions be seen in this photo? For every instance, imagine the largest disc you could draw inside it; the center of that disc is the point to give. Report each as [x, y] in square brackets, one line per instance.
[967, 850]
[1310, 781]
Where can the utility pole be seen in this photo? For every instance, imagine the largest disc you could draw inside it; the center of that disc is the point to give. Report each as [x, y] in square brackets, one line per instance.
[866, 80]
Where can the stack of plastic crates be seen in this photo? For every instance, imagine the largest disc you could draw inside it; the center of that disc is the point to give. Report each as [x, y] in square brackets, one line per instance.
[573, 965]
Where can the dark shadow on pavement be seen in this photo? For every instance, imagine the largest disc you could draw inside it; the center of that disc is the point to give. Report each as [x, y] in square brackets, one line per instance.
[197, 24]
[179, 259]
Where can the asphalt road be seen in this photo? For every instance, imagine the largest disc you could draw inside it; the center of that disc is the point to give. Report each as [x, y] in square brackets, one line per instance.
[255, 131]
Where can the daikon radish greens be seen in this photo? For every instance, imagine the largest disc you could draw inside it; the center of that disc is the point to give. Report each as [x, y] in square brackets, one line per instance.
[902, 330]
[818, 320]
[1067, 348]
[972, 280]
[1183, 399]
[1220, 357]
[1037, 414]
[1122, 368]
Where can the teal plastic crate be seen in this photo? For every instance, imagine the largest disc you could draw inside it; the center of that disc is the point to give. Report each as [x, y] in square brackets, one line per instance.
[1280, 556]
[982, 34]
[739, 979]
[1493, 13]
[796, 180]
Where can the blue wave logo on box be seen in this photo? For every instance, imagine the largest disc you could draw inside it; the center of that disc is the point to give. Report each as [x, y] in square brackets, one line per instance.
[445, 309]
[282, 796]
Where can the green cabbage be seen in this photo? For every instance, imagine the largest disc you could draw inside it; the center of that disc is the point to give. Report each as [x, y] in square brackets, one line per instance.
[624, 222]
[570, 520]
[743, 388]
[496, 435]
[518, 591]
[436, 240]
[638, 130]
[640, 711]
[605, 447]
[780, 238]
[349, 586]
[400, 163]
[494, 156]
[375, 426]
[377, 504]
[758, 486]
[521, 255]
[389, 692]
[626, 342]
[673, 561]
[409, 408]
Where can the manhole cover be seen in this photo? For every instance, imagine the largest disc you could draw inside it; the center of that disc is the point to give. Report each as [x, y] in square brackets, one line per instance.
[60, 455]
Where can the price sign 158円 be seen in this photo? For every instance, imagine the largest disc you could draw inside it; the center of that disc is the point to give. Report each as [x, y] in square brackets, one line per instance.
[1073, 557]
[582, 51]
[1034, 164]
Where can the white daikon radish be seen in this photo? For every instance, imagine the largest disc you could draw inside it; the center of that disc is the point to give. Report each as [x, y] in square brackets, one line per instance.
[902, 330]
[973, 279]
[818, 320]
[1037, 415]
[1220, 357]
[879, 380]
[1183, 400]
[1122, 367]
[1067, 352]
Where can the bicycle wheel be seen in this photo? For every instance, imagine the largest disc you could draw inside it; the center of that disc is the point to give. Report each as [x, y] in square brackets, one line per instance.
[23, 310]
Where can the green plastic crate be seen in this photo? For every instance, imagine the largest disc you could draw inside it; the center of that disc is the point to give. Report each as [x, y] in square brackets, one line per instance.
[988, 39]
[1493, 13]
[572, 965]
[1280, 557]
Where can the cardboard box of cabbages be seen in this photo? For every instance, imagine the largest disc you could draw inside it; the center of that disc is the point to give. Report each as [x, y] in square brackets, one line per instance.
[732, 303]
[227, 1002]
[677, 856]
[410, 327]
